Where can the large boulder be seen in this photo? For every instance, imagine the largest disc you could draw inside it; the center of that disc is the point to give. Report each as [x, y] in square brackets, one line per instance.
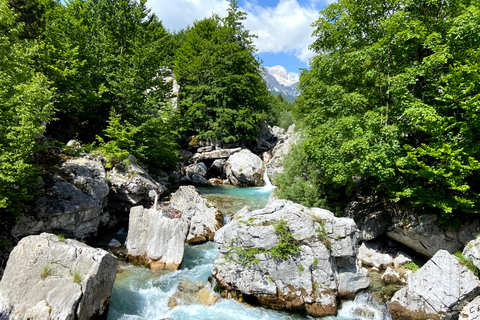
[245, 169]
[70, 202]
[156, 238]
[438, 290]
[132, 184]
[287, 256]
[196, 168]
[425, 236]
[204, 218]
[47, 278]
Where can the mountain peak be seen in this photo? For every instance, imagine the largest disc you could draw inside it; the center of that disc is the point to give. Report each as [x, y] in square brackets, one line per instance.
[282, 75]
[278, 79]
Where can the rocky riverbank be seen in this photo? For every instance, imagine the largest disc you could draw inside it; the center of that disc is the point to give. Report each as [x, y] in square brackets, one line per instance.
[285, 256]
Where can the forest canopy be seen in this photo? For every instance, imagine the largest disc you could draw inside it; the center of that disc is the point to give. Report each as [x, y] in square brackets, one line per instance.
[100, 71]
[391, 103]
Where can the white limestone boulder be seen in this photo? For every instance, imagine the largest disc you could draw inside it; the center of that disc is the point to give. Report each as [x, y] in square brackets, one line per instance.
[47, 278]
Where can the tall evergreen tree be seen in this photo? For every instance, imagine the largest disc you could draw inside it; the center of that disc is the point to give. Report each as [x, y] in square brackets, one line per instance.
[223, 94]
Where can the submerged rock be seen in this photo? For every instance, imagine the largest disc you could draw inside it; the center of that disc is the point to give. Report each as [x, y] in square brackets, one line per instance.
[438, 290]
[47, 278]
[287, 256]
[70, 203]
[190, 292]
[204, 218]
[156, 238]
[245, 169]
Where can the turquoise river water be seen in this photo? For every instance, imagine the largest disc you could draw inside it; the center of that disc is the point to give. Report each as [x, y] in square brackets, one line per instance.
[140, 293]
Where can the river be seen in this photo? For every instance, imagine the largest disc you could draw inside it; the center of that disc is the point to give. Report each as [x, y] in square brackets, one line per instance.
[140, 293]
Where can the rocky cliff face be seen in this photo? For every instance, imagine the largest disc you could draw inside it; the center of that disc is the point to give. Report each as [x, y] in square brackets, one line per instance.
[287, 256]
[71, 202]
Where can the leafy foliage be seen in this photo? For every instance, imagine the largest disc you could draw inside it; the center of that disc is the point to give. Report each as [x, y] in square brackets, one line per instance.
[392, 101]
[280, 112]
[223, 94]
[25, 108]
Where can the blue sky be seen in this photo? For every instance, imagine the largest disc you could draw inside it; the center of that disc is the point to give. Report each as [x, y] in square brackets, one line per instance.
[282, 26]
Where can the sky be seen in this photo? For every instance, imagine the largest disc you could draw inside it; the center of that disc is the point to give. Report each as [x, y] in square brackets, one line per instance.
[283, 27]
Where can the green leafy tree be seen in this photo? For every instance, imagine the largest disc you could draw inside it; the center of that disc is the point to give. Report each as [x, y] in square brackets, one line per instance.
[104, 54]
[223, 94]
[391, 101]
[25, 109]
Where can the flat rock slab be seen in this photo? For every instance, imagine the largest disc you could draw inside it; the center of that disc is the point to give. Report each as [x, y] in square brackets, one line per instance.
[46, 278]
[438, 290]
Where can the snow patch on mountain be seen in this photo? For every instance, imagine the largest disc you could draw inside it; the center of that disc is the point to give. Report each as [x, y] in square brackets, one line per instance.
[278, 79]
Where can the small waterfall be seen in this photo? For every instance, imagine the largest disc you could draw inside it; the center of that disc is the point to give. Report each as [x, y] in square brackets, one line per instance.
[268, 184]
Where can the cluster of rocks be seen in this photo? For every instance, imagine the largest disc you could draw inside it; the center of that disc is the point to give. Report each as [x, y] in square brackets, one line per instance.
[157, 237]
[211, 162]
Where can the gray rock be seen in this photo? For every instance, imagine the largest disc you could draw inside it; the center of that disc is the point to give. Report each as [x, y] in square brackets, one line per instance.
[390, 276]
[370, 214]
[471, 311]
[70, 203]
[205, 149]
[204, 218]
[199, 180]
[245, 169]
[424, 236]
[215, 154]
[114, 244]
[196, 168]
[282, 148]
[156, 238]
[277, 131]
[218, 168]
[372, 254]
[133, 184]
[438, 290]
[472, 251]
[193, 293]
[310, 280]
[46, 278]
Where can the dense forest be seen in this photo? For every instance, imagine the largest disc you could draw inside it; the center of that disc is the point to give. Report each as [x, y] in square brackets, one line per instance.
[97, 71]
[390, 103]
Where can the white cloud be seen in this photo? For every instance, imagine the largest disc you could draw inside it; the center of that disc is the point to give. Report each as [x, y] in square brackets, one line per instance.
[295, 75]
[284, 28]
[178, 14]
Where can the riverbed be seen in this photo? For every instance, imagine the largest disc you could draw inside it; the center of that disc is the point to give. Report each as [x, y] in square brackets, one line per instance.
[140, 293]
